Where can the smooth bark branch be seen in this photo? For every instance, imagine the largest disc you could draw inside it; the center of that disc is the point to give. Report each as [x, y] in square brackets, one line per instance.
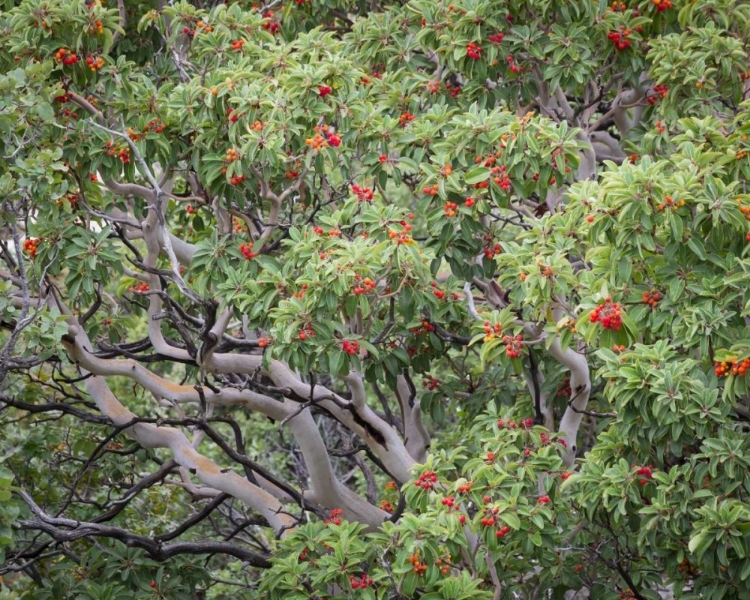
[325, 488]
[184, 454]
[416, 437]
[580, 385]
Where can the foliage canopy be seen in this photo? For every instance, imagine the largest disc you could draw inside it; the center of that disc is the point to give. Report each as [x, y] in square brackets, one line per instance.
[336, 299]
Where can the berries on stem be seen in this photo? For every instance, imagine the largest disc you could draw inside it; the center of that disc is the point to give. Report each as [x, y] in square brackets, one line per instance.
[609, 314]
[513, 345]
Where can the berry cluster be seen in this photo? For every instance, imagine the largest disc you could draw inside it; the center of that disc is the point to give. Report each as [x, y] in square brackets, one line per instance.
[237, 179]
[426, 480]
[68, 113]
[364, 194]
[645, 473]
[512, 64]
[651, 298]
[496, 38]
[439, 294]
[140, 288]
[431, 190]
[237, 45]
[334, 517]
[489, 161]
[513, 345]
[449, 209]
[205, 27]
[489, 520]
[608, 314]
[662, 5]
[543, 500]
[509, 424]
[660, 92]
[745, 210]
[491, 330]
[264, 342]
[419, 567]
[317, 143]
[362, 582]
[301, 292]
[502, 532]
[122, 152]
[324, 90]
[95, 63]
[492, 250]
[405, 119]
[247, 250]
[444, 564]
[453, 90]
[544, 270]
[425, 328]
[731, 367]
[620, 38]
[96, 28]
[233, 116]
[66, 57]
[386, 506]
[383, 158]
[474, 51]
[351, 348]
[272, 26]
[232, 155]
[367, 285]
[155, 126]
[660, 128]
[30, 246]
[306, 331]
[401, 237]
[670, 202]
[450, 502]
[72, 199]
[430, 382]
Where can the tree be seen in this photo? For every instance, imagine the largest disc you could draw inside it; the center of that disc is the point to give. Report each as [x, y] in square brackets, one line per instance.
[431, 300]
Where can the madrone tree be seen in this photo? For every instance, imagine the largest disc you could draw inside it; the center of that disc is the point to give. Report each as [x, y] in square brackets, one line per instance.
[334, 299]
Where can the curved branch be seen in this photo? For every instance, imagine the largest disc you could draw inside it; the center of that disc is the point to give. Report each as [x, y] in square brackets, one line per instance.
[66, 530]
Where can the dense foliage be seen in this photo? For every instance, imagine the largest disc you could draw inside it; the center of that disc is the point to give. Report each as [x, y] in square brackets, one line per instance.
[334, 299]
